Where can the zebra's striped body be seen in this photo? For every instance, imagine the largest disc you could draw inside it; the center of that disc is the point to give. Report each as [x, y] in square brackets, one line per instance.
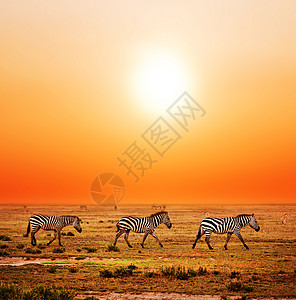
[55, 223]
[228, 225]
[145, 225]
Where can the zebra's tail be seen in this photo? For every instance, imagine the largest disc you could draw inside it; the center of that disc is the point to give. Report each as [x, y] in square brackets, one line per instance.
[117, 227]
[28, 230]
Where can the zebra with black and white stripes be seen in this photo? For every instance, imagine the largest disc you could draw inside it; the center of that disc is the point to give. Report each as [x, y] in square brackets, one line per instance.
[55, 223]
[145, 225]
[228, 225]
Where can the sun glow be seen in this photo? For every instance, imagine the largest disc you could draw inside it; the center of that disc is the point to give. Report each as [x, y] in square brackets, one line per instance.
[160, 79]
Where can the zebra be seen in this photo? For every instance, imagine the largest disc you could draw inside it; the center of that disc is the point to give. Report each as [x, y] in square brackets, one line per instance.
[228, 225]
[56, 223]
[145, 225]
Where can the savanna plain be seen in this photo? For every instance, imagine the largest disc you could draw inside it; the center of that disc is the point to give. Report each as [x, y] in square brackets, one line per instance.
[89, 267]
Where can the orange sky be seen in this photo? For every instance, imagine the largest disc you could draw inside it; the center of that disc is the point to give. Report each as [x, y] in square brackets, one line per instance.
[70, 104]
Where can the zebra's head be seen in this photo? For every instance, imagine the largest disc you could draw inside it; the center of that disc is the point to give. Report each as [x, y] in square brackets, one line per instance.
[253, 223]
[76, 224]
[166, 220]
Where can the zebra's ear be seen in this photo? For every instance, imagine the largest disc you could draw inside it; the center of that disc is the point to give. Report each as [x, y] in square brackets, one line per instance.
[253, 215]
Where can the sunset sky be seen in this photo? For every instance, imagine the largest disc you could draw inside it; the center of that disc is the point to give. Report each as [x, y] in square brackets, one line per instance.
[81, 81]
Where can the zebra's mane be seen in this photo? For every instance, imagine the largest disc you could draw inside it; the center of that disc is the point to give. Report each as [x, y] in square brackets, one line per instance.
[68, 216]
[158, 214]
[243, 215]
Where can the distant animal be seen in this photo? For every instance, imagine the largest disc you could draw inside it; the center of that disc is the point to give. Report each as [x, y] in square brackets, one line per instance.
[157, 206]
[145, 225]
[205, 213]
[284, 218]
[55, 223]
[228, 225]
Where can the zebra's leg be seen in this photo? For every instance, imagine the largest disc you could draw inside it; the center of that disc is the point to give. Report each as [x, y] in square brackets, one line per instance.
[198, 236]
[59, 237]
[157, 239]
[55, 236]
[126, 238]
[33, 239]
[241, 239]
[120, 232]
[145, 236]
[208, 234]
[229, 234]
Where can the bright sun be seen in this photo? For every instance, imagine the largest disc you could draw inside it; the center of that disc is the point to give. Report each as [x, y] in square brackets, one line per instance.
[159, 81]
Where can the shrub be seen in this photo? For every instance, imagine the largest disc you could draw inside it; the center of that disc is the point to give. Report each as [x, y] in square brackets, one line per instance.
[106, 273]
[248, 289]
[122, 271]
[216, 272]
[150, 274]
[235, 286]
[33, 251]
[132, 267]
[181, 273]
[58, 250]
[5, 238]
[192, 273]
[3, 246]
[73, 270]
[52, 269]
[3, 253]
[202, 271]
[168, 271]
[70, 233]
[78, 250]
[111, 247]
[41, 292]
[255, 278]
[10, 292]
[20, 246]
[234, 274]
[41, 246]
[90, 249]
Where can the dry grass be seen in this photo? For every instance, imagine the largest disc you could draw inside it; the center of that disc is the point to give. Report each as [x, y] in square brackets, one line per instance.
[267, 269]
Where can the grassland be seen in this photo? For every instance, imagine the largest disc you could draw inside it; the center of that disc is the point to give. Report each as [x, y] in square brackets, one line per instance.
[86, 266]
